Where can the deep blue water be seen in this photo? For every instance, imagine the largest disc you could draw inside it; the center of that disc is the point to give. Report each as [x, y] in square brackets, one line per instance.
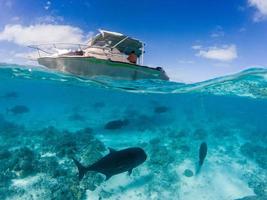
[47, 117]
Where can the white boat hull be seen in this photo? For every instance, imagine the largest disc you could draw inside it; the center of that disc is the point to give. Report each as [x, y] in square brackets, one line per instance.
[91, 67]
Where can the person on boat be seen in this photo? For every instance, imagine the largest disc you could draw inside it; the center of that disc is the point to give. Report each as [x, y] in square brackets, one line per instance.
[132, 57]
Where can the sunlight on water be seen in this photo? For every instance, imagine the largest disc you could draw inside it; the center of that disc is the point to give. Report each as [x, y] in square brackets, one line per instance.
[46, 118]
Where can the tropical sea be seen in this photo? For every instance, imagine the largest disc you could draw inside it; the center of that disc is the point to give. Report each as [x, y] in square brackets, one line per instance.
[47, 118]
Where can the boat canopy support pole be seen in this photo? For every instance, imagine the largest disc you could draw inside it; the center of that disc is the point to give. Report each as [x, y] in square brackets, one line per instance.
[142, 55]
[120, 42]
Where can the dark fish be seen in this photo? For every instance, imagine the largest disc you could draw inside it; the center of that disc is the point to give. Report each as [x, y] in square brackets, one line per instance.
[19, 109]
[10, 95]
[76, 117]
[116, 124]
[202, 155]
[115, 162]
[161, 109]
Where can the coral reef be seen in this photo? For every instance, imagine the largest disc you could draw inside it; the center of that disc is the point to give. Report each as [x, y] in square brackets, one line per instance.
[39, 166]
[256, 153]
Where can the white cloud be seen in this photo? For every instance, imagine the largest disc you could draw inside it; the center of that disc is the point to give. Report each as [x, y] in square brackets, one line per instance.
[11, 56]
[224, 53]
[218, 32]
[15, 18]
[261, 6]
[196, 47]
[49, 19]
[42, 33]
[47, 6]
[26, 55]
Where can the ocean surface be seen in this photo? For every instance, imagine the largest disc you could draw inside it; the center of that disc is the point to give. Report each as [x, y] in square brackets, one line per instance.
[47, 118]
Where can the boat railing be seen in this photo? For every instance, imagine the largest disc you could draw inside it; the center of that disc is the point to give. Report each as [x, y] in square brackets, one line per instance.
[53, 48]
[56, 48]
[69, 49]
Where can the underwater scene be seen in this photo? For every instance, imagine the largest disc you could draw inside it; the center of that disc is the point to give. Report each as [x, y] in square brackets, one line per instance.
[67, 137]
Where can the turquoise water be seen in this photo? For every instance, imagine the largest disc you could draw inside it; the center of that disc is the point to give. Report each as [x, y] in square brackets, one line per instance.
[46, 118]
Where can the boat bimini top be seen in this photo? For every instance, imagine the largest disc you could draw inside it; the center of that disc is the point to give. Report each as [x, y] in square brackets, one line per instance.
[123, 43]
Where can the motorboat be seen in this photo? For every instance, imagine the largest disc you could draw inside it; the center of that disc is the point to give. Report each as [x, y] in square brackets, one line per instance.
[106, 54]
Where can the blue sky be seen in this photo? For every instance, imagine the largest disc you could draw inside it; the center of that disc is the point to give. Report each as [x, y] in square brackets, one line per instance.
[193, 40]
